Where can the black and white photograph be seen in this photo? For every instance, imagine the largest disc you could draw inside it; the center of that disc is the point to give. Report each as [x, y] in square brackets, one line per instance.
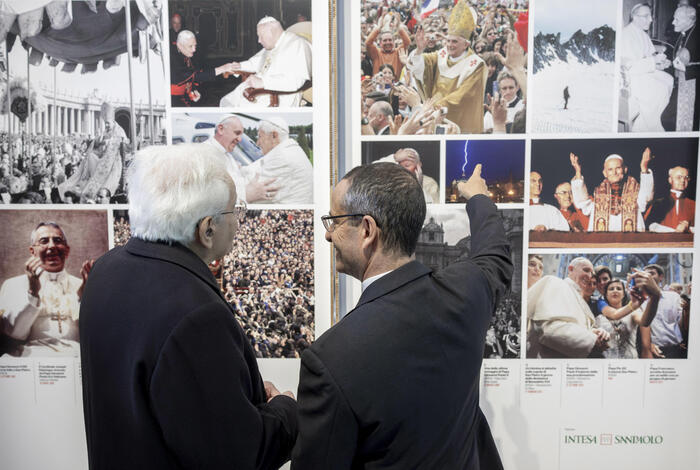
[240, 54]
[659, 64]
[268, 278]
[75, 105]
[269, 156]
[420, 158]
[46, 260]
[613, 192]
[444, 67]
[445, 238]
[612, 306]
[573, 80]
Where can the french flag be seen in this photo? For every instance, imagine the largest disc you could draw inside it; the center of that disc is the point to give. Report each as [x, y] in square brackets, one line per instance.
[428, 7]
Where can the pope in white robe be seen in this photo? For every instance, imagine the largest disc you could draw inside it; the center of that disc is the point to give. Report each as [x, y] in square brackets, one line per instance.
[284, 64]
[650, 87]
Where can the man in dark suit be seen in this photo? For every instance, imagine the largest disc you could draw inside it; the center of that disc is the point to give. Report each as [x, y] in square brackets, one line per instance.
[169, 379]
[395, 384]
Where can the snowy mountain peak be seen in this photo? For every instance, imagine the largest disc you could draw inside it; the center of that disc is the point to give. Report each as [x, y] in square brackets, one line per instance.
[586, 48]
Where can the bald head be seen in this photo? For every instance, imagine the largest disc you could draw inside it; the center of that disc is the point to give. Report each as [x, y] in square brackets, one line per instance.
[379, 115]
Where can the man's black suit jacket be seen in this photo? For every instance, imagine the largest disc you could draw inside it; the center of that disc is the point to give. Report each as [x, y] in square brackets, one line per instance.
[395, 384]
[169, 379]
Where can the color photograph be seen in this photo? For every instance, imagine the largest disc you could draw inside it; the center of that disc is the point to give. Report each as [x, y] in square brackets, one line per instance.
[443, 67]
[612, 306]
[240, 54]
[420, 158]
[613, 192]
[502, 166]
[46, 260]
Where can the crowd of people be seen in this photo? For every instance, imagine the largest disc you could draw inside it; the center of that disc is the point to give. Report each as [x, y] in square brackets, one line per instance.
[38, 167]
[268, 278]
[458, 69]
[592, 313]
[503, 335]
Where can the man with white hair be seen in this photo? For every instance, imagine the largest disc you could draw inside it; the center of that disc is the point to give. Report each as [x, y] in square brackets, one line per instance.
[283, 64]
[560, 322]
[675, 211]
[410, 159]
[227, 136]
[454, 74]
[650, 86]
[40, 307]
[619, 201]
[283, 161]
[380, 115]
[164, 361]
[186, 73]
[686, 60]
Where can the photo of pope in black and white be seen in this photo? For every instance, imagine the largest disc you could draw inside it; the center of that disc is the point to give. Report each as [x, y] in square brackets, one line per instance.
[268, 278]
[446, 237]
[659, 63]
[74, 105]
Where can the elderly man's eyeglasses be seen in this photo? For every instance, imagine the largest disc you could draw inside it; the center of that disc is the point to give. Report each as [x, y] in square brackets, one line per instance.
[329, 220]
[240, 209]
[44, 241]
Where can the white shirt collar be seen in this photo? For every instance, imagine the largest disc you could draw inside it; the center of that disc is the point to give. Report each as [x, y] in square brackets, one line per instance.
[370, 280]
[56, 277]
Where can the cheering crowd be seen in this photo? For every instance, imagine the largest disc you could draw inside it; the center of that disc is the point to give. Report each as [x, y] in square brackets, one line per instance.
[503, 335]
[36, 179]
[268, 278]
[616, 316]
[452, 70]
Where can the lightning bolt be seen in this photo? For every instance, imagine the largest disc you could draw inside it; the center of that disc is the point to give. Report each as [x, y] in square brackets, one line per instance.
[466, 157]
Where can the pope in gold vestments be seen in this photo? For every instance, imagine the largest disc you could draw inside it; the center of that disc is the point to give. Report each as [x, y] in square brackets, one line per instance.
[458, 82]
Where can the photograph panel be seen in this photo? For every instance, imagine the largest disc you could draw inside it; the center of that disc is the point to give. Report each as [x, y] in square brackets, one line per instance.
[613, 305]
[267, 278]
[659, 64]
[573, 81]
[269, 157]
[502, 166]
[46, 258]
[420, 158]
[446, 237]
[243, 53]
[444, 67]
[68, 125]
[613, 192]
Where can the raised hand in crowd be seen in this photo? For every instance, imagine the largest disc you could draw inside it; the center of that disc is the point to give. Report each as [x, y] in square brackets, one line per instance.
[498, 109]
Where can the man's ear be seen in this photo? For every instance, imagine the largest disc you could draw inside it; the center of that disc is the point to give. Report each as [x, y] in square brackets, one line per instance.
[369, 231]
[204, 233]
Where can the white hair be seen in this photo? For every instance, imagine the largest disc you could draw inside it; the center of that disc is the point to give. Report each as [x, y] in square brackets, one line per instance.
[275, 124]
[410, 153]
[184, 35]
[574, 263]
[171, 188]
[269, 20]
